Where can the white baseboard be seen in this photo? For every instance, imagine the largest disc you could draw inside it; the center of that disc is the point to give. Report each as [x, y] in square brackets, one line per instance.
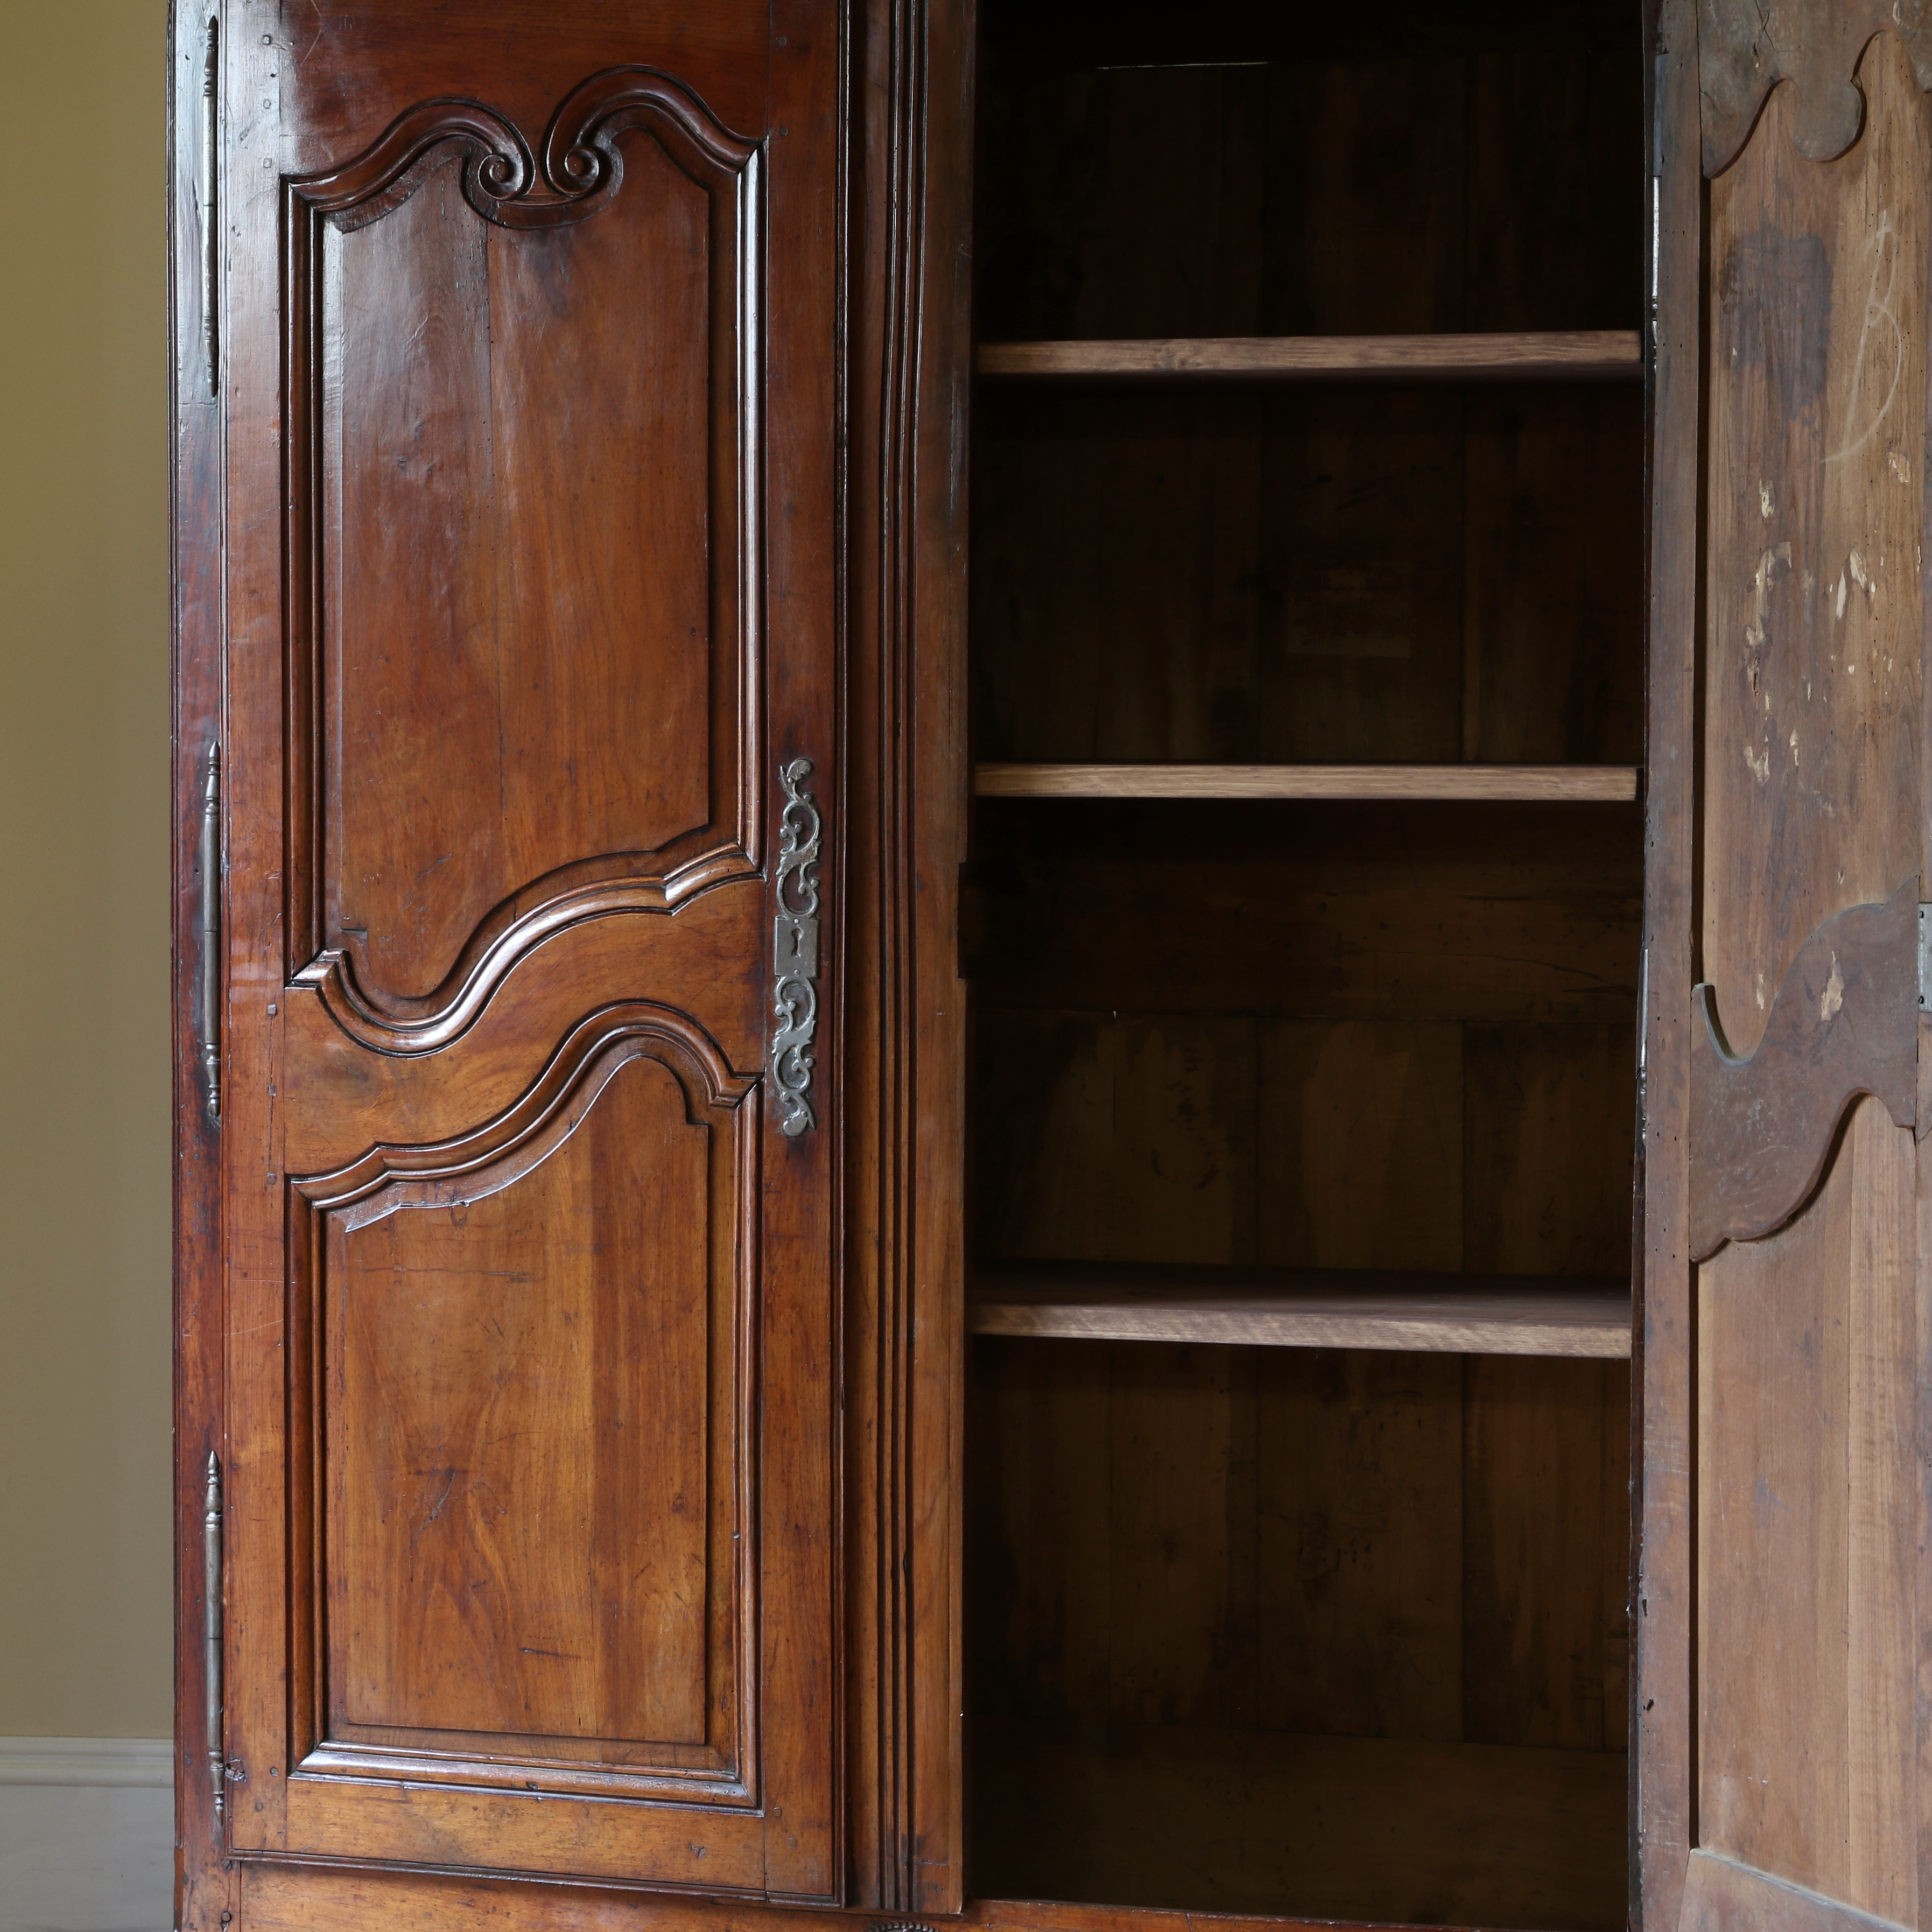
[86, 1834]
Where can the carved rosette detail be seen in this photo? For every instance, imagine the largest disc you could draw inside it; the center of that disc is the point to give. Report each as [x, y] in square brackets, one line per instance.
[795, 950]
[1746, 47]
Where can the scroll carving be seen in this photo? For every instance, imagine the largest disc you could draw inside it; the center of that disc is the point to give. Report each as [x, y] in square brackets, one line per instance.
[577, 169]
[1844, 1022]
[1746, 47]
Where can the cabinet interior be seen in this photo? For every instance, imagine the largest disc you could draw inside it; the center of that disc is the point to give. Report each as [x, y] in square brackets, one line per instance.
[1327, 1631]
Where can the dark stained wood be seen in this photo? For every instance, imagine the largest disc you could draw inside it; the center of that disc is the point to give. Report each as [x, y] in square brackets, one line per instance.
[285, 1898]
[1349, 1187]
[1121, 197]
[1048, 1916]
[904, 1220]
[562, 1587]
[489, 412]
[1543, 1622]
[1141, 638]
[1554, 356]
[1549, 1118]
[1661, 1726]
[1332, 1308]
[1357, 632]
[1179, 1430]
[1271, 1544]
[1553, 592]
[468, 1233]
[1272, 1035]
[932, 775]
[1349, 1828]
[1557, 141]
[1360, 1561]
[1127, 603]
[1303, 577]
[1844, 1021]
[1308, 910]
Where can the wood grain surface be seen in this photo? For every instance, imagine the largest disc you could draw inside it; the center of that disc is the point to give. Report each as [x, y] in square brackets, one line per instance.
[1300, 1630]
[1305, 575]
[1844, 1021]
[1348, 1827]
[1284, 1543]
[1573, 356]
[1305, 1308]
[476, 714]
[1811, 1584]
[291, 1898]
[1661, 1711]
[1595, 783]
[1503, 913]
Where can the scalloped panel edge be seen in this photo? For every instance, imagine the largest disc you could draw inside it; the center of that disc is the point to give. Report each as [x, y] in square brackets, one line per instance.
[1746, 47]
[1845, 1022]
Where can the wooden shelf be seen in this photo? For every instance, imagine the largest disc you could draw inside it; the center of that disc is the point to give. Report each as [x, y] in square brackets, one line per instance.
[1596, 783]
[1566, 355]
[1304, 1308]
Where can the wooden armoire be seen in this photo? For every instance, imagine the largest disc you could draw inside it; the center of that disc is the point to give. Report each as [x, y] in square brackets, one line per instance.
[1049, 954]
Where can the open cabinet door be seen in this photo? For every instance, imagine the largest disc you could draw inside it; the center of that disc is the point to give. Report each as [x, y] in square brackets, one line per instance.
[1784, 1600]
[513, 724]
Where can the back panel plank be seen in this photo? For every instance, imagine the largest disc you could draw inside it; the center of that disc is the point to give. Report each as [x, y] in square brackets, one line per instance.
[1351, 1829]
[1322, 911]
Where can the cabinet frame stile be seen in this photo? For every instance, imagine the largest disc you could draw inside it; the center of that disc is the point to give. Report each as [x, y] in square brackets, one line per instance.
[1663, 1381]
[207, 1887]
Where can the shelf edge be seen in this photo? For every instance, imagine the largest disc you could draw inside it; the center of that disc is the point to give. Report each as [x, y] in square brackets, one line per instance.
[1593, 784]
[1434, 1334]
[1599, 355]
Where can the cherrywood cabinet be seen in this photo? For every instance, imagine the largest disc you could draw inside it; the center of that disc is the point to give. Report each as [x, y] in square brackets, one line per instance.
[1048, 963]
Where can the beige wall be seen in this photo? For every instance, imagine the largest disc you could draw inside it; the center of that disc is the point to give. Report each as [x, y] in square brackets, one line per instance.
[84, 1212]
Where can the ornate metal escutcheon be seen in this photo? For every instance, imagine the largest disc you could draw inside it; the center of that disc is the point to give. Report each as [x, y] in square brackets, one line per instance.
[795, 951]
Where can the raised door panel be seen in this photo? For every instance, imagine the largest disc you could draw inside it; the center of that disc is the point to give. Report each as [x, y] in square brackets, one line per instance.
[529, 1391]
[1782, 1576]
[531, 726]
[525, 409]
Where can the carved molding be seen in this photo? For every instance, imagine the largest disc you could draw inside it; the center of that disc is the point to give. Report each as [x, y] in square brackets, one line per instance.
[323, 1209]
[1746, 47]
[576, 171]
[1845, 1022]
[474, 1164]
[564, 899]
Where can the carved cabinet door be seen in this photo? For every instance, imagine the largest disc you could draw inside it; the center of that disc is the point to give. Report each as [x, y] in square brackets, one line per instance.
[521, 329]
[1784, 1599]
